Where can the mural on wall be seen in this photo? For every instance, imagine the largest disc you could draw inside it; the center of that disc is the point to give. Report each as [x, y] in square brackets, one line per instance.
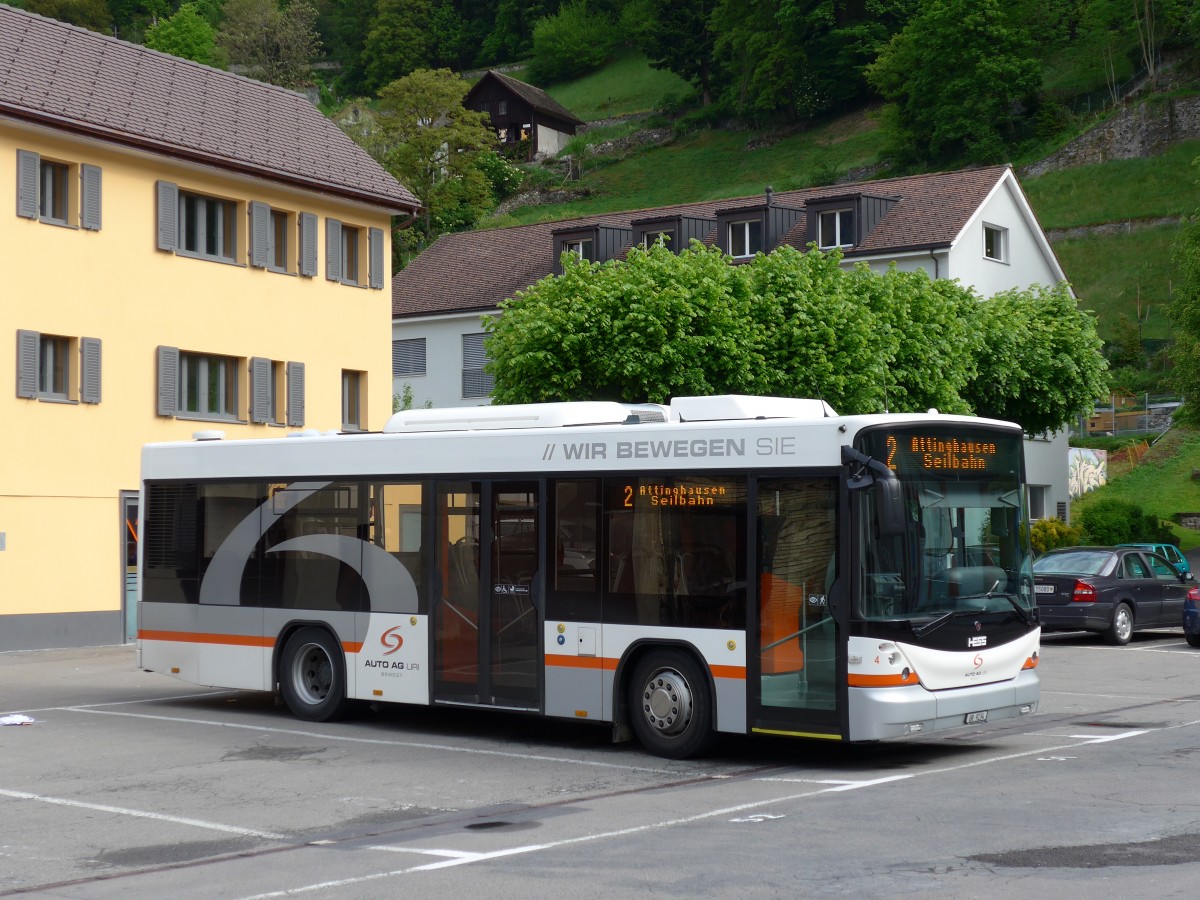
[1086, 470]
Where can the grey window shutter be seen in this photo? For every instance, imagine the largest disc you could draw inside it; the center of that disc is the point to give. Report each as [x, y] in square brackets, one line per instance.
[260, 389]
[28, 344]
[28, 164]
[295, 394]
[168, 216]
[260, 233]
[89, 369]
[308, 244]
[375, 240]
[168, 381]
[89, 197]
[333, 249]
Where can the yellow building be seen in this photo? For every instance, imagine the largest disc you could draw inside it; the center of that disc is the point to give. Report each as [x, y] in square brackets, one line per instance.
[183, 250]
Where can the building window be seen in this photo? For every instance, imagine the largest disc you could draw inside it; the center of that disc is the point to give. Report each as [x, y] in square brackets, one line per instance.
[46, 369]
[995, 243]
[46, 191]
[350, 255]
[667, 236]
[582, 247]
[277, 251]
[502, 107]
[208, 386]
[475, 381]
[1037, 501]
[207, 227]
[408, 357]
[344, 248]
[52, 193]
[485, 107]
[835, 229]
[745, 238]
[352, 406]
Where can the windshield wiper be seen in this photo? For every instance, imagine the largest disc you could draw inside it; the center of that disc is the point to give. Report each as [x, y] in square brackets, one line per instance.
[922, 630]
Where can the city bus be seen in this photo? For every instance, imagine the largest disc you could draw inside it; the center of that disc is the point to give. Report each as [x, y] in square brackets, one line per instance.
[713, 565]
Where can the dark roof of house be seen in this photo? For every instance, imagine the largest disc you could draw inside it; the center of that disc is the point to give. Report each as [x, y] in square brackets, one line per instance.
[475, 270]
[535, 97]
[68, 78]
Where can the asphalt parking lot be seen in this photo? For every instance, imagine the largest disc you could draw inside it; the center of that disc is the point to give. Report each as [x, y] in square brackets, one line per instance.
[135, 785]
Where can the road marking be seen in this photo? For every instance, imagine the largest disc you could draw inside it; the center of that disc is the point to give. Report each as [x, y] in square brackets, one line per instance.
[143, 814]
[1088, 739]
[441, 748]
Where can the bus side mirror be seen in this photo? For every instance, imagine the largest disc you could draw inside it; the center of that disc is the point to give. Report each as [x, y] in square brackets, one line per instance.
[889, 507]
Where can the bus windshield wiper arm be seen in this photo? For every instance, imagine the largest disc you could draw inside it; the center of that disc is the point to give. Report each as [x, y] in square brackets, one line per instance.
[941, 620]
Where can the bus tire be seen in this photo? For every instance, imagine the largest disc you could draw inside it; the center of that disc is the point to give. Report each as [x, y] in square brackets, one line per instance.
[312, 675]
[670, 705]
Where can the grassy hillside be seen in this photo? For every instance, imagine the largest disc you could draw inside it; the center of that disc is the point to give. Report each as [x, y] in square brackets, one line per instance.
[1162, 484]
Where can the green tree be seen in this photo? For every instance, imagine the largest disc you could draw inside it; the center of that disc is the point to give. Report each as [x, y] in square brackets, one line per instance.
[435, 146]
[677, 37]
[654, 326]
[1040, 362]
[269, 43]
[960, 81]
[91, 14]
[187, 34]
[571, 42]
[1185, 315]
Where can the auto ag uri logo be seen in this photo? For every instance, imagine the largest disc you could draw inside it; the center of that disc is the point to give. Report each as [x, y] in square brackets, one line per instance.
[391, 639]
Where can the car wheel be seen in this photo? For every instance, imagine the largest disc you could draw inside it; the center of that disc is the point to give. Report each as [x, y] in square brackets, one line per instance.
[670, 705]
[1193, 640]
[1120, 629]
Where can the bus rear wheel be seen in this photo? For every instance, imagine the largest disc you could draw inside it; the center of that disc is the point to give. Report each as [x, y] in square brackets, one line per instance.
[312, 675]
[670, 705]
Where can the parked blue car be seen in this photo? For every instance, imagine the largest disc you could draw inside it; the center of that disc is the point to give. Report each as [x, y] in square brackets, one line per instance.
[1169, 552]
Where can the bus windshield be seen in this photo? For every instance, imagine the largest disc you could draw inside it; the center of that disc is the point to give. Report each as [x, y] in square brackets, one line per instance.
[964, 543]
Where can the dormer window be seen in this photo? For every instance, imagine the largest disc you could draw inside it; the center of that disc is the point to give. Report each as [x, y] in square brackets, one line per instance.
[835, 228]
[581, 248]
[745, 238]
[666, 236]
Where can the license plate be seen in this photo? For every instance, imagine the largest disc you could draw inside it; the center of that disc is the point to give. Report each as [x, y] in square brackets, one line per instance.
[976, 717]
[1043, 589]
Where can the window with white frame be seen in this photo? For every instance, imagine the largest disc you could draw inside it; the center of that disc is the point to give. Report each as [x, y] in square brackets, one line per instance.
[581, 247]
[995, 243]
[352, 400]
[745, 238]
[835, 228]
[1037, 501]
[475, 381]
[666, 235]
[408, 357]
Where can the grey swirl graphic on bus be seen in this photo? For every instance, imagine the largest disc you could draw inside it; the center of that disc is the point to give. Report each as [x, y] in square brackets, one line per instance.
[390, 586]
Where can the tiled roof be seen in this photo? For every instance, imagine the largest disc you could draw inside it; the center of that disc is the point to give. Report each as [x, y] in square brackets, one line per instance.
[535, 97]
[475, 270]
[76, 80]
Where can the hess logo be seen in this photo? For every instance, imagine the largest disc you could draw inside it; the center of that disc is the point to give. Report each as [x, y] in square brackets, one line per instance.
[392, 639]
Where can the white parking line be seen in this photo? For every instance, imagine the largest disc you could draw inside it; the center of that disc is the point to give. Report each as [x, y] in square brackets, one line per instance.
[142, 814]
[417, 745]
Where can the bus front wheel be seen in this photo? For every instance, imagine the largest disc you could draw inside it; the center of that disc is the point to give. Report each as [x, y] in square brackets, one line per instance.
[670, 705]
[312, 675]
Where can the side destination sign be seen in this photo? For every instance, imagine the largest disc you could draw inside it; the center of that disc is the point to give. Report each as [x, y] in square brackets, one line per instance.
[688, 448]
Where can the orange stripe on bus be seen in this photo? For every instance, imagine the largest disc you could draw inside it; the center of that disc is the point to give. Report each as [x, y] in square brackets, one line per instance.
[738, 672]
[352, 646]
[194, 637]
[581, 662]
[881, 680]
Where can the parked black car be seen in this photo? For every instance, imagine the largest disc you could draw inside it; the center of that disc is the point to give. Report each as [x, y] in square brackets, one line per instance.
[1110, 590]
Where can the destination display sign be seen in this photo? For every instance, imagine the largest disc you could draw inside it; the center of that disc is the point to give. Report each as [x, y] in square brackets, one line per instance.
[965, 451]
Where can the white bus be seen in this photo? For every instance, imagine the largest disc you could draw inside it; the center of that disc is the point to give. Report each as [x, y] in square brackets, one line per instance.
[721, 564]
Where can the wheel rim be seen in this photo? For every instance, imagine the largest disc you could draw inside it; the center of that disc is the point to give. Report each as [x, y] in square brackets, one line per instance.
[1124, 624]
[312, 673]
[667, 702]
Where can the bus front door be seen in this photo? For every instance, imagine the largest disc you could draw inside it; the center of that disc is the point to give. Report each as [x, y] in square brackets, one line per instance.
[799, 640]
[486, 620]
